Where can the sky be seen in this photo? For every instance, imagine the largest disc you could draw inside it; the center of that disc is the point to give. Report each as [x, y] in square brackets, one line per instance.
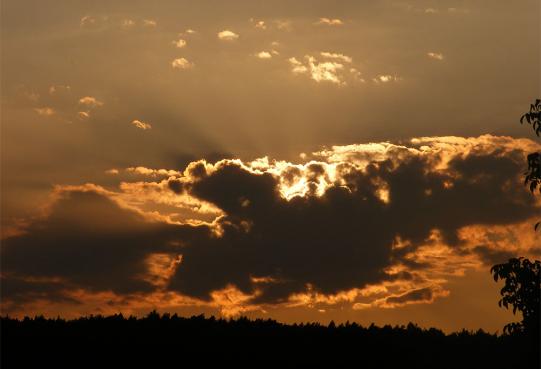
[302, 161]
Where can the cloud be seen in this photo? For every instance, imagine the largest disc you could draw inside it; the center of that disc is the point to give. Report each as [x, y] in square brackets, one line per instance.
[330, 22]
[127, 23]
[54, 89]
[328, 71]
[227, 35]
[386, 78]
[283, 25]
[297, 67]
[360, 223]
[182, 63]
[342, 57]
[435, 56]
[180, 43]
[141, 125]
[423, 295]
[149, 23]
[45, 111]
[86, 241]
[83, 115]
[90, 101]
[259, 24]
[87, 20]
[264, 55]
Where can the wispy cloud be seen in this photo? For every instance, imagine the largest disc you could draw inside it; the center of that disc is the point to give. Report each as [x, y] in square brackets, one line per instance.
[330, 21]
[141, 125]
[45, 111]
[435, 56]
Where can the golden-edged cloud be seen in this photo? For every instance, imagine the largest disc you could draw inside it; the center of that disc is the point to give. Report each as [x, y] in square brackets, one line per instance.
[90, 101]
[358, 224]
[141, 125]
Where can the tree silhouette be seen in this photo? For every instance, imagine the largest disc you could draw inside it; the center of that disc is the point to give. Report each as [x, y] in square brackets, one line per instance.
[522, 290]
[533, 174]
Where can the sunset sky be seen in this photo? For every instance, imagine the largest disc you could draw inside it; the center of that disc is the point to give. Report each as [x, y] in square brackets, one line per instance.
[299, 160]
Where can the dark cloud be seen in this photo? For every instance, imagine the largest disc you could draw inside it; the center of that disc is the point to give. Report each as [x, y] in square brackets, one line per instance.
[343, 239]
[327, 242]
[89, 242]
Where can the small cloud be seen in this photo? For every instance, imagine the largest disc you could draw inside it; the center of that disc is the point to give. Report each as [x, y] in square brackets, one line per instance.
[180, 43]
[386, 78]
[149, 23]
[431, 11]
[90, 101]
[457, 11]
[264, 55]
[436, 56]
[87, 20]
[284, 25]
[182, 63]
[45, 111]
[319, 71]
[227, 35]
[141, 125]
[297, 66]
[58, 88]
[342, 57]
[356, 75]
[83, 115]
[259, 24]
[112, 171]
[330, 22]
[127, 23]
[190, 31]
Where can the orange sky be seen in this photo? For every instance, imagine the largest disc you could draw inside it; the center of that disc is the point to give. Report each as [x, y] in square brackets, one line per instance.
[302, 161]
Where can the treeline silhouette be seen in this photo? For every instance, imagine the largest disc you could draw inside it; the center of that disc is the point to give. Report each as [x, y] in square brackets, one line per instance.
[199, 342]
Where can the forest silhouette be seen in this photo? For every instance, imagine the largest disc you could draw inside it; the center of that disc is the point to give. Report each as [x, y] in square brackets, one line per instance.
[164, 339]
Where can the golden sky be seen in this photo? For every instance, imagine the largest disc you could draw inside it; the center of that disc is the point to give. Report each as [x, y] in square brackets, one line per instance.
[299, 160]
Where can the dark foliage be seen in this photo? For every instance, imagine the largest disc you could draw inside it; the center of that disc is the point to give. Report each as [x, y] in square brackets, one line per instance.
[172, 341]
[522, 291]
[532, 177]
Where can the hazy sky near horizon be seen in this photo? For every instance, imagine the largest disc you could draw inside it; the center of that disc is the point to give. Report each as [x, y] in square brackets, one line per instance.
[107, 106]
